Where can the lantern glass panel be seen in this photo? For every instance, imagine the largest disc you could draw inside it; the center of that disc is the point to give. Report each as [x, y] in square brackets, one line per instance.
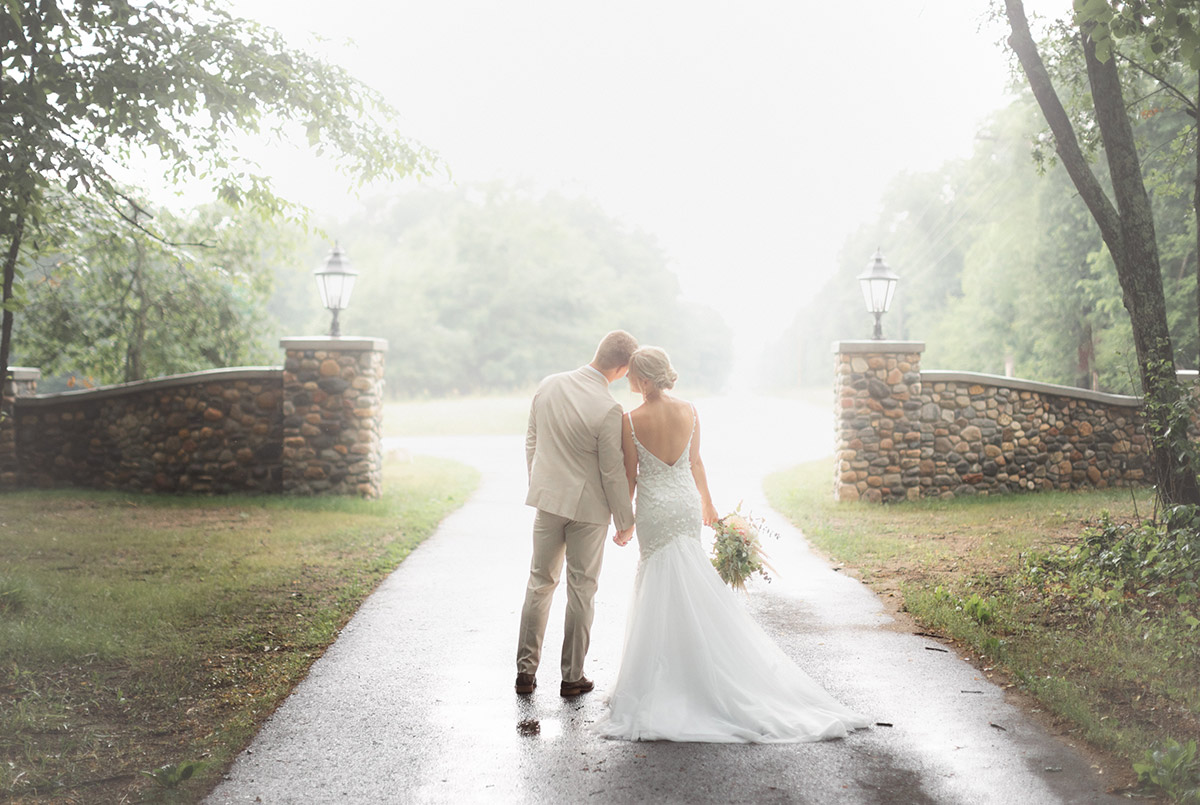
[867, 296]
[877, 293]
[335, 289]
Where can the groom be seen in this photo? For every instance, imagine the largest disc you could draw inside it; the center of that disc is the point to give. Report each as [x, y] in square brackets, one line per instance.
[577, 482]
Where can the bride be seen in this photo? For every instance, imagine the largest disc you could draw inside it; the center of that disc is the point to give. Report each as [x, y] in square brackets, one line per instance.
[695, 665]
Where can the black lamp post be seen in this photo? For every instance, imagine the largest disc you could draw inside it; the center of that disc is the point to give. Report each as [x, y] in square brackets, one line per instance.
[878, 286]
[335, 281]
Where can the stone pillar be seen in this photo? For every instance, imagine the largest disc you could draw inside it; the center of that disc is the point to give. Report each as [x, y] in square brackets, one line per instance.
[877, 389]
[23, 384]
[333, 416]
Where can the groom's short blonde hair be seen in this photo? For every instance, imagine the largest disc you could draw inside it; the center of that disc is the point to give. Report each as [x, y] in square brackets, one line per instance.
[615, 350]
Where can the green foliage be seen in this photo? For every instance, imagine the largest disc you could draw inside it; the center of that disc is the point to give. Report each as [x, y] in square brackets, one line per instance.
[1119, 564]
[1002, 269]
[1169, 408]
[92, 83]
[488, 289]
[737, 552]
[1155, 44]
[1173, 769]
[14, 594]
[116, 305]
[999, 268]
[977, 608]
[1158, 28]
[90, 86]
[172, 774]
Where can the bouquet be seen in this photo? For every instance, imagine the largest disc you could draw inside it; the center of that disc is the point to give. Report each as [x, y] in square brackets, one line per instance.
[737, 553]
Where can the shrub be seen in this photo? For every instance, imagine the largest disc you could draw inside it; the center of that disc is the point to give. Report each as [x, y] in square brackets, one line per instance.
[1117, 560]
[1174, 769]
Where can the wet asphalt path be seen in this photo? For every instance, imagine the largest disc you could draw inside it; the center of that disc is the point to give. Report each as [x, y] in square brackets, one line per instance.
[414, 702]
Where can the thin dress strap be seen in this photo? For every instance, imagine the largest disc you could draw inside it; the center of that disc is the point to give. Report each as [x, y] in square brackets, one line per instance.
[629, 415]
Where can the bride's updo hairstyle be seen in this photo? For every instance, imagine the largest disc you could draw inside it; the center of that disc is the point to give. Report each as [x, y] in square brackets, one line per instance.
[652, 365]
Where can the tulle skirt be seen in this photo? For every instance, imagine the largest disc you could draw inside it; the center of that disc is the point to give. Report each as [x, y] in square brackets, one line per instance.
[697, 667]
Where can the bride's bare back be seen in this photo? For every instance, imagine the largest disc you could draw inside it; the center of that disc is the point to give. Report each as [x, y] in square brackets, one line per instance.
[664, 426]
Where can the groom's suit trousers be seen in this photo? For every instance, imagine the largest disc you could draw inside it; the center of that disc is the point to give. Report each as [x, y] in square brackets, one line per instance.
[577, 484]
[582, 544]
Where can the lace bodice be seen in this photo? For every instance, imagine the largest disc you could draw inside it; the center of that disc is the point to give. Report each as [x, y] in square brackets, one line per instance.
[668, 504]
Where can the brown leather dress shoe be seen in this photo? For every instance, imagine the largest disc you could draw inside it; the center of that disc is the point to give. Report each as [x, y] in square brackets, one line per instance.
[525, 683]
[580, 686]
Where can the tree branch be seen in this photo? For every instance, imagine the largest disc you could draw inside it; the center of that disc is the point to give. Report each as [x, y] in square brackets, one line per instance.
[1189, 107]
[1116, 132]
[6, 319]
[133, 221]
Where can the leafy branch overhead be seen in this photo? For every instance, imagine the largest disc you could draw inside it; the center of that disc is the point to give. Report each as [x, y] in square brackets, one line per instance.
[89, 86]
[1162, 28]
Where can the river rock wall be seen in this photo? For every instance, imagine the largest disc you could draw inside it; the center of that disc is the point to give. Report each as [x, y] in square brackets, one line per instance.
[311, 427]
[903, 433]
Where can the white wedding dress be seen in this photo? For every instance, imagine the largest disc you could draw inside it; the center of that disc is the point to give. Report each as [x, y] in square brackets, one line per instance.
[695, 665]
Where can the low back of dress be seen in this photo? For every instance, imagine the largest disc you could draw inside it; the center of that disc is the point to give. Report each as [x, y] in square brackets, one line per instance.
[668, 504]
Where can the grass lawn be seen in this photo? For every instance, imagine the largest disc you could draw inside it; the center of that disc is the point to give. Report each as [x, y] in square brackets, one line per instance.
[1117, 668]
[140, 632]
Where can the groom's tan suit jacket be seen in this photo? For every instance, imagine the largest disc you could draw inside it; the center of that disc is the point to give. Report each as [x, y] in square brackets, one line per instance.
[573, 450]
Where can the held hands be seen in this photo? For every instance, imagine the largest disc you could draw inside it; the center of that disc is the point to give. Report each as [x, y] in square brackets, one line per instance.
[623, 536]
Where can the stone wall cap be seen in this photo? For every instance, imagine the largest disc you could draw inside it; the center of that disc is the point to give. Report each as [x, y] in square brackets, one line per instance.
[154, 384]
[878, 346]
[25, 373]
[942, 376]
[343, 343]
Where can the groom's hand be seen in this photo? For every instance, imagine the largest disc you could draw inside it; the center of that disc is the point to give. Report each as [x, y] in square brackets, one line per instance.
[623, 536]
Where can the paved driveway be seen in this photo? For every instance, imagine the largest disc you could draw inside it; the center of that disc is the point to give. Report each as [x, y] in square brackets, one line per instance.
[414, 702]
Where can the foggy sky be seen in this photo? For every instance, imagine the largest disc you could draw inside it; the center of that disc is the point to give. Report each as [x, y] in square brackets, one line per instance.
[750, 138]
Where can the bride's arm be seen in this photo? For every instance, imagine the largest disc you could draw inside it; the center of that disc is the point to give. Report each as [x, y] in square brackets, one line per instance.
[630, 451]
[707, 511]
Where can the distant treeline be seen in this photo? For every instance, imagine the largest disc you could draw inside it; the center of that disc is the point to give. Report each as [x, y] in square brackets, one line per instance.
[1002, 269]
[477, 290]
[488, 289]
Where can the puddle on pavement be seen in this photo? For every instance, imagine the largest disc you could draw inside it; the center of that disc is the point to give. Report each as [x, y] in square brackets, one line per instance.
[532, 727]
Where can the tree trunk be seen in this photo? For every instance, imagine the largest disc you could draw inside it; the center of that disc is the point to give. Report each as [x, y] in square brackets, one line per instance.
[137, 338]
[1085, 352]
[1128, 231]
[10, 272]
[1140, 274]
